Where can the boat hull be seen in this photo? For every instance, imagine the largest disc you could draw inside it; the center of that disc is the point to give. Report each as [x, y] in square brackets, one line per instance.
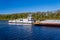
[19, 24]
[48, 24]
[28, 22]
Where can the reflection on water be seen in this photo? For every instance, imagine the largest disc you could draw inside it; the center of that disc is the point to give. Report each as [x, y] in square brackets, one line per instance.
[24, 30]
[27, 27]
[27, 30]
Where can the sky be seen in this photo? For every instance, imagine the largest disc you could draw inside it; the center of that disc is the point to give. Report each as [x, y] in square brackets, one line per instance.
[20, 6]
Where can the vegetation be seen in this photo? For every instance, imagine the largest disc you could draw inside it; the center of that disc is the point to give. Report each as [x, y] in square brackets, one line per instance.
[36, 16]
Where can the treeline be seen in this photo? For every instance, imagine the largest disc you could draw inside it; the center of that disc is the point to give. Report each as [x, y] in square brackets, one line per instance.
[36, 15]
[13, 16]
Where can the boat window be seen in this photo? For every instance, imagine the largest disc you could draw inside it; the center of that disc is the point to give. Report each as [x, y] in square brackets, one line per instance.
[21, 20]
[30, 20]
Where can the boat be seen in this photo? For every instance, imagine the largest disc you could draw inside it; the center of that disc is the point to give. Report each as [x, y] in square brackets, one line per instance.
[48, 23]
[29, 20]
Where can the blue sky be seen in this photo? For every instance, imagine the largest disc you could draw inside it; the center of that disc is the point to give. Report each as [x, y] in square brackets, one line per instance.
[18, 6]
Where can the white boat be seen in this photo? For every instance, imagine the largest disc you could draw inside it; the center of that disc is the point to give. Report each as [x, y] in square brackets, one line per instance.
[29, 19]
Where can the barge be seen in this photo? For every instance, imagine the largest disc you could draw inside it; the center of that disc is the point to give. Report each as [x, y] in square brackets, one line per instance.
[48, 23]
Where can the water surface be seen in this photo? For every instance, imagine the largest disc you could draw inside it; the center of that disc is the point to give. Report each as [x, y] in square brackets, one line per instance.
[28, 32]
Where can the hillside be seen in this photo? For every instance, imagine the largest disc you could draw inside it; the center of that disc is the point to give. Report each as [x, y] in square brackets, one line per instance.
[36, 15]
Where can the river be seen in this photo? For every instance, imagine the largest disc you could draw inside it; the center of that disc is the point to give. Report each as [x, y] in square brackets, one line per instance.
[27, 32]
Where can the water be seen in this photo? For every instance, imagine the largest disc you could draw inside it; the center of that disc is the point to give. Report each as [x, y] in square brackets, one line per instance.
[27, 32]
